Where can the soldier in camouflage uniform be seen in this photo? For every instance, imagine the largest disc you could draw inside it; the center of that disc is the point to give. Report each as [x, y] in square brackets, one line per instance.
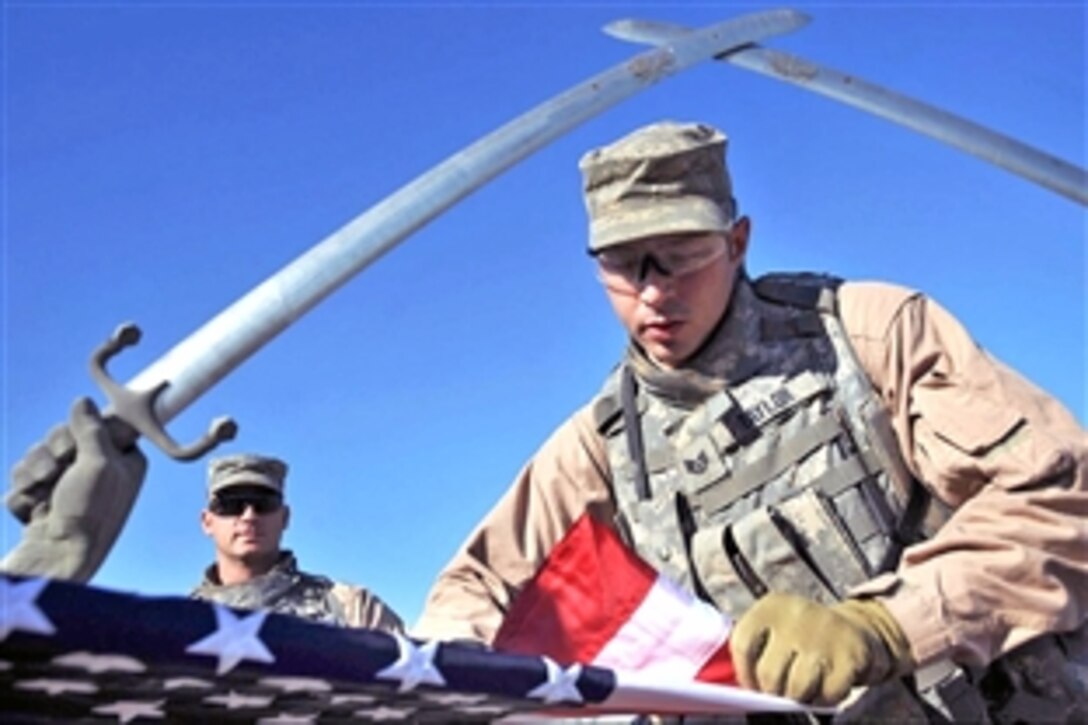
[893, 518]
[245, 518]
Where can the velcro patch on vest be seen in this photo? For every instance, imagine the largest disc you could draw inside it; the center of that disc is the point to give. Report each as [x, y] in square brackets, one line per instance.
[760, 408]
[701, 465]
[731, 421]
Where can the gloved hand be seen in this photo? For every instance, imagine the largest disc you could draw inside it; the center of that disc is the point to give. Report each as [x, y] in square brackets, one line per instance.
[73, 513]
[814, 653]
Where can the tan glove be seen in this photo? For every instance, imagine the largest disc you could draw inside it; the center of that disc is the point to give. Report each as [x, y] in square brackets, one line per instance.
[814, 653]
[72, 518]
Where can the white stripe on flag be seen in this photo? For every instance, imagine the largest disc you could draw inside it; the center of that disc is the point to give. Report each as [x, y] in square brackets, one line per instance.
[670, 634]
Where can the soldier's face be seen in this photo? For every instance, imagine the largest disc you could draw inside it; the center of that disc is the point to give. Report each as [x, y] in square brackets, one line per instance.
[249, 527]
[671, 315]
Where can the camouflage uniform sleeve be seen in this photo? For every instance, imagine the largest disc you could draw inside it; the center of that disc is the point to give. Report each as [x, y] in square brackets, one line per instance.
[1012, 463]
[364, 609]
[565, 478]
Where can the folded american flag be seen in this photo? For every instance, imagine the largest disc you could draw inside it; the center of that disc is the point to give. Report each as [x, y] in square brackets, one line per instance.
[69, 651]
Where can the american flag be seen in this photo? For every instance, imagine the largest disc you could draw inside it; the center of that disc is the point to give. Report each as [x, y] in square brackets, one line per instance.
[72, 652]
[75, 652]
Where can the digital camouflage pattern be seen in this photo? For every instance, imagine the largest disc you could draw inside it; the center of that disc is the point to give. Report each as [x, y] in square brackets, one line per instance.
[283, 589]
[246, 469]
[667, 178]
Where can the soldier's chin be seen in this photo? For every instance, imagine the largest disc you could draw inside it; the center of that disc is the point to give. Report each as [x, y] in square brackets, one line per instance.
[666, 356]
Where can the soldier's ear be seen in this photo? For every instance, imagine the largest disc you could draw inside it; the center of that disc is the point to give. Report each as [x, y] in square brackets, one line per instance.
[738, 238]
[206, 521]
[286, 515]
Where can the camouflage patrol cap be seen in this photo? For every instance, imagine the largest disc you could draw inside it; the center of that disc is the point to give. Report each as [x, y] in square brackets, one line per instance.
[246, 469]
[666, 178]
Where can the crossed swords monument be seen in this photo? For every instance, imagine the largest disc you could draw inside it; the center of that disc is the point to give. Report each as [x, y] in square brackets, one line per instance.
[184, 373]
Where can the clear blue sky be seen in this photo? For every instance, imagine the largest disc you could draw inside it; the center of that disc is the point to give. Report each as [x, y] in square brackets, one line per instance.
[160, 159]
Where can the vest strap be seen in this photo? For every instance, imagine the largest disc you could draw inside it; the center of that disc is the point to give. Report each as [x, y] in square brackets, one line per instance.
[909, 528]
[844, 475]
[807, 291]
[633, 431]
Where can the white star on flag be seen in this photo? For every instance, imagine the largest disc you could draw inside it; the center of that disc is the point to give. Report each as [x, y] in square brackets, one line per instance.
[561, 685]
[129, 710]
[234, 639]
[57, 687]
[18, 610]
[97, 664]
[414, 665]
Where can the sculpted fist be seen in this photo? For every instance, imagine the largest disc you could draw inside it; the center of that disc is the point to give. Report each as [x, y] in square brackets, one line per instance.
[814, 653]
[74, 508]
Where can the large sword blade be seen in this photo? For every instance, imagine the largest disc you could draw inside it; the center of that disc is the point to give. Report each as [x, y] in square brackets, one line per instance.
[211, 352]
[1021, 159]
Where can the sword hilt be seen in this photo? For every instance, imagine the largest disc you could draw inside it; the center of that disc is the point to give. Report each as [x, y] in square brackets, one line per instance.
[137, 407]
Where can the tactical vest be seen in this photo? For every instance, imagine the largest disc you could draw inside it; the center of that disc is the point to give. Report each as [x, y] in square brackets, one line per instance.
[283, 589]
[787, 477]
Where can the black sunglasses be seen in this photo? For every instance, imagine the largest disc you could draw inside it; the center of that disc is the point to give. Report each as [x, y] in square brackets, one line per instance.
[235, 505]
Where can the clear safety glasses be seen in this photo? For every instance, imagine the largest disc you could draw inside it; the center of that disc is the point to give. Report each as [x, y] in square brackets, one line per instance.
[626, 267]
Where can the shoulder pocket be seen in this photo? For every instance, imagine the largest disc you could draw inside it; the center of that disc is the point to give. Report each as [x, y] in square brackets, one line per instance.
[965, 417]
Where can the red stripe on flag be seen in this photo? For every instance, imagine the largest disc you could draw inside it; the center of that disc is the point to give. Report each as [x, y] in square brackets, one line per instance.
[719, 668]
[588, 587]
[594, 601]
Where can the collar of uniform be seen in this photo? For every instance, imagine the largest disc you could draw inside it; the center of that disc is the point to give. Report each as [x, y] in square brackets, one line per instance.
[286, 565]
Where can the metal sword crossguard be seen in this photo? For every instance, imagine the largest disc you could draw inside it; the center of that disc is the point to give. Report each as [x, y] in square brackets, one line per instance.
[137, 408]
